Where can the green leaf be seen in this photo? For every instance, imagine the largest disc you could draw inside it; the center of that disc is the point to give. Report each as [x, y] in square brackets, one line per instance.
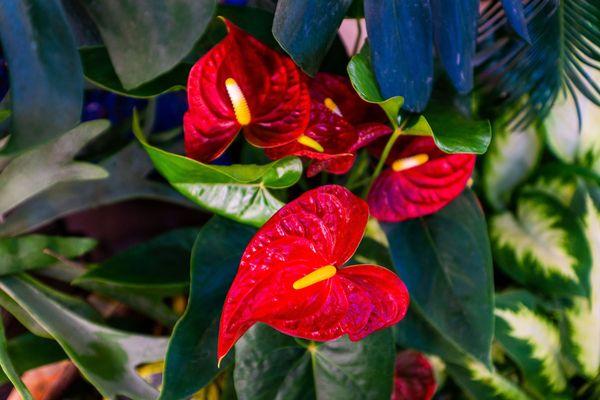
[148, 39]
[105, 356]
[239, 192]
[128, 170]
[29, 252]
[445, 261]
[531, 340]
[45, 71]
[364, 82]
[28, 351]
[9, 368]
[41, 168]
[542, 246]
[270, 365]
[571, 128]
[160, 265]
[479, 382]
[215, 258]
[513, 155]
[455, 133]
[318, 20]
[582, 316]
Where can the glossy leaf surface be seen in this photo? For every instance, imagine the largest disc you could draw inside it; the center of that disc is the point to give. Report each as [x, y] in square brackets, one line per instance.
[45, 71]
[215, 258]
[318, 20]
[401, 39]
[159, 34]
[293, 370]
[445, 260]
[239, 192]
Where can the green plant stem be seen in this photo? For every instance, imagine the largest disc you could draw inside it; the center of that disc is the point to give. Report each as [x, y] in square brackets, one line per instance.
[384, 155]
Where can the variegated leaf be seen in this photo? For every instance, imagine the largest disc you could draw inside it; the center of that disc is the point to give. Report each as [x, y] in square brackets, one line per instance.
[511, 158]
[531, 340]
[582, 317]
[542, 246]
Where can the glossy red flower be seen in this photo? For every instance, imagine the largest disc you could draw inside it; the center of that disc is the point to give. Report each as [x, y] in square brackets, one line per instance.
[243, 84]
[292, 275]
[337, 127]
[413, 378]
[421, 179]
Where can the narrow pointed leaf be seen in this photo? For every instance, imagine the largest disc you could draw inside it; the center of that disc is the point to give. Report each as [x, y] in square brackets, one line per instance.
[9, 369]
[516, 17]
[28, 351]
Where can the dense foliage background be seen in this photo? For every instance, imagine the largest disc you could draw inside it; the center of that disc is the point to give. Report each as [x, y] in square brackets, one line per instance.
[116, 252]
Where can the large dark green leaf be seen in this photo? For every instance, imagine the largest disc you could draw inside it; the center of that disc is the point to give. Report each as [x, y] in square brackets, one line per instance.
[29, 252]
[105, 356]
[28, 351]
[128, 170]
[160, 265]
[43, 167]
[446, 263]
[191, 361]
[454, 32]
[9, 369]
[145, 39]
[270, 365]
[239, 192]
[401, 39]
[317, 20]
[46, 78]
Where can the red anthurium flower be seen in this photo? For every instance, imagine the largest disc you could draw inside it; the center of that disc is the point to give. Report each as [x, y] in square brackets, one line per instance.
[243, 84]
[292, 275]
[413, 379]
[421, 180]
[337, 127]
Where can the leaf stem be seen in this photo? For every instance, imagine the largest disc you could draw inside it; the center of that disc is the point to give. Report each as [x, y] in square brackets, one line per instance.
[384, 155]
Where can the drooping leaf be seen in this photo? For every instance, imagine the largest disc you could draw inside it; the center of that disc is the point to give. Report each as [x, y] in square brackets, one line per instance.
[128, 170]
[542, 245]
[45, 71]
[215, 258]
[28, 351]
[445, 261]
[295, 21]
[513, 9]
[160, 265]
[513, 155]
[105, 356]
[147, 39]
[582, 316]
[19, 254]
[454, 33]
[401, 39]
[41, 168]
[522, 80]
[271, 365]
[531, 340]
[455, 133]
[239, 192]
[9, 369]
[364, 82]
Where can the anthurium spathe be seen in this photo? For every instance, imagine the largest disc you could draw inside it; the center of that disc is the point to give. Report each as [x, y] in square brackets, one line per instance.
[420, 179]
[241, 84]
[413, 377]
[340, 124]
[292, 275]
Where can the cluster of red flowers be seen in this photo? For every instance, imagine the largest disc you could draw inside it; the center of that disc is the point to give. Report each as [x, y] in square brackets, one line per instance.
[292, 274]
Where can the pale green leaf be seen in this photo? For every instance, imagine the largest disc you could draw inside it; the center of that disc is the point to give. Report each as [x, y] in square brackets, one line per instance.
[9, 368]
